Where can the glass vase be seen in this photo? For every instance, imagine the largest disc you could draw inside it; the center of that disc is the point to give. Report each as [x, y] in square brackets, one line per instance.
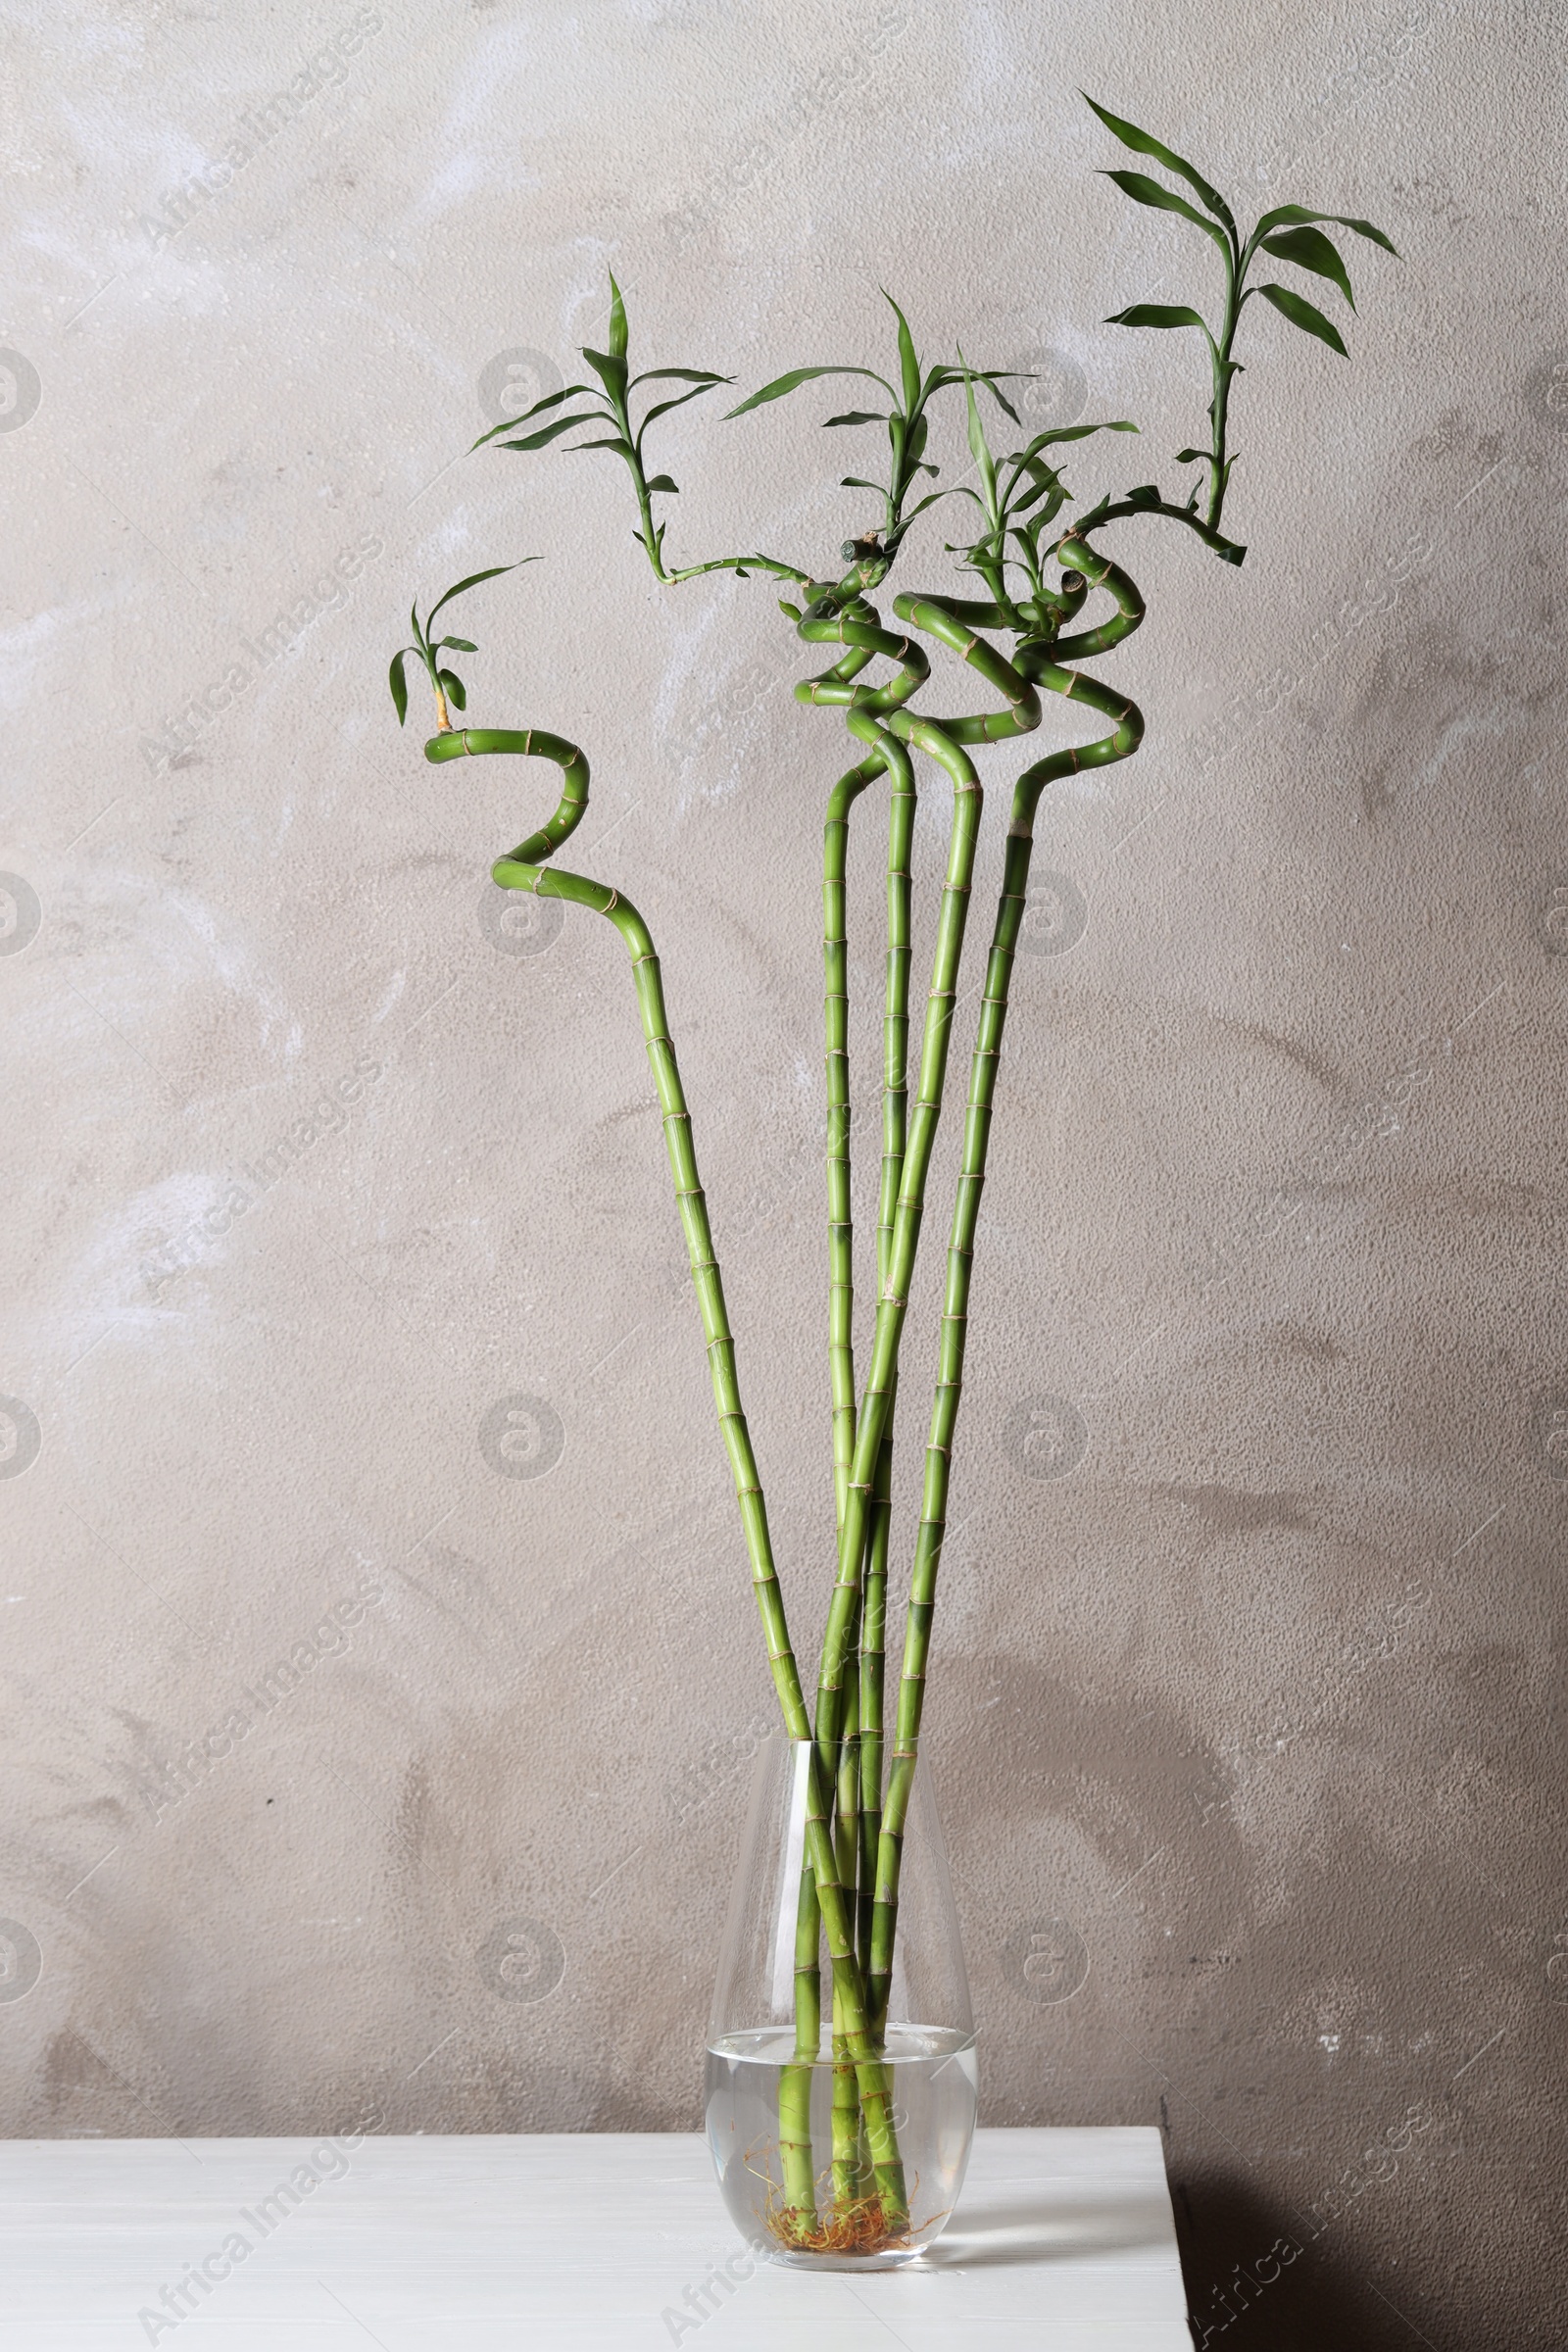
[826, 2162]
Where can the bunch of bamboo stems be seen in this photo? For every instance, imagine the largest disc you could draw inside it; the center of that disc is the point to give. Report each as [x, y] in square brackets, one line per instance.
[859, 1783]
[858, 1796]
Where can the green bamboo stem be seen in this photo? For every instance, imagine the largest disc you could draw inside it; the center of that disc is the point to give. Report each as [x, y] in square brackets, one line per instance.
[797, 2160]
[893, 1297]
[855, 625]
[836, 1023]
[873, 1666]
[936, 741]
[846, 2103]
[1036, 660]
[523, 869]
[895, 1013]
[850, 2010]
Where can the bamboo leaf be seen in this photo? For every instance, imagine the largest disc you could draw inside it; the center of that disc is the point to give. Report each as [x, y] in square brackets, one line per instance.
[980, 451]
[622, 449]
[1142, 143]
[1186, 456]
[1302, 314]
[1292, 216]
[611, 369]
[790, 612]
[856, 416]
[661, 407]
[455, 692]
[472, 581]
[551, 400]
[400, 684]
[457, 645]
[1070, 432]
[853, 481]
[908, 364]
[1309, 249]
[804, 376]
[1001, 398]
[1143, 190]
[1160, 313]
[617, 325]
[549, 432]
[687, 375]
[662, 481]
[929, 500]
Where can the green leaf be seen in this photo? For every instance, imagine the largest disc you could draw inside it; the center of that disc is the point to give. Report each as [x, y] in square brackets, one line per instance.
[1186, 456]
[908, 364]
[660, 408]
[662, 481]
[550, 431]
[1146, 494]
[617, 327]
[400, 684]
[1160, 313]
[804, 376]
[790, 612]
[457, 645]
[1140, 143]
[455, 692]
[687, 375]
[472, 581]
[1303, 315]
[1001, 398]
[980, 451]
[1292, 216]
[929, 500]
[1143, 190]
[622, 449]
[611, 372]
[856, 416]
[855, 481]
[551, 400]
[1309, 249]
[1070, 432]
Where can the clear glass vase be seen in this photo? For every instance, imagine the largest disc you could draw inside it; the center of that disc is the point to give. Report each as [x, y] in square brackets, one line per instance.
[827, 2161]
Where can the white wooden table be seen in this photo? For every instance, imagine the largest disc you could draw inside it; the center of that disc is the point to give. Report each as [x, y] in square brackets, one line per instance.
[1062, 2241]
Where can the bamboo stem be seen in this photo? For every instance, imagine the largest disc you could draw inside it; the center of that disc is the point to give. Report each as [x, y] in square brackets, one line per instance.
[522, 871]
[839, 1211]
[1035, 659]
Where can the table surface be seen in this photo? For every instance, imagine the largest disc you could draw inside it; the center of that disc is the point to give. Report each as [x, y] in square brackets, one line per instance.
[1062, 2240]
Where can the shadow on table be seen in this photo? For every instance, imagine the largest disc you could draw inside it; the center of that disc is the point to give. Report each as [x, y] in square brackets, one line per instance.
[1253, 2279]
[993, 2230]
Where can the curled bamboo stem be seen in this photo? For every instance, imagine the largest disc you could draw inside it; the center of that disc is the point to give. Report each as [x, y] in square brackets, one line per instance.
[1036, 660]
[523, 869]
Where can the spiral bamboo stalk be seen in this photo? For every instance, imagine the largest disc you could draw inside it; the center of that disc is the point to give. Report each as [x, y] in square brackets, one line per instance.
[523, 869]
[1036, 660]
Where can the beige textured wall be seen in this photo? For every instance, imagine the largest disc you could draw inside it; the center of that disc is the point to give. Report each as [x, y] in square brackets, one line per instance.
[1246, 1723]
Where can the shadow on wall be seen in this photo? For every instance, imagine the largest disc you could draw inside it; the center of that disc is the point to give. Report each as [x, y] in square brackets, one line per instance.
[1255, 2283]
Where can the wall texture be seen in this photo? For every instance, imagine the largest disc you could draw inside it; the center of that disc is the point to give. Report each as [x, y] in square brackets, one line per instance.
[344, 1326]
